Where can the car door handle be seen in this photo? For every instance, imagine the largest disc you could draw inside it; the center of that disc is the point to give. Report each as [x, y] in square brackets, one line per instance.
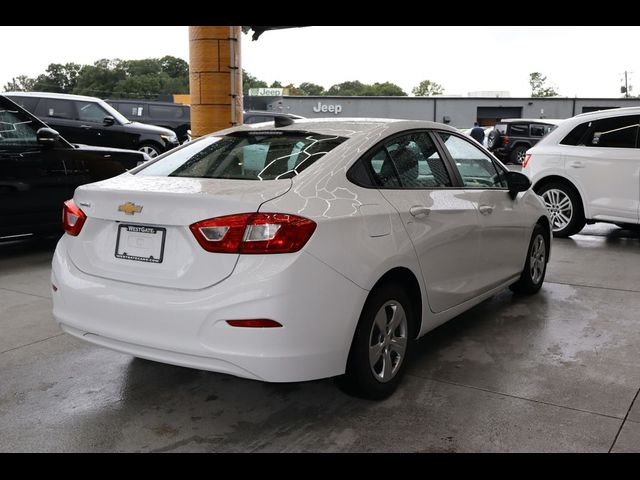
[86, 127]
[486, 209]
[419, 211]
[576, 164]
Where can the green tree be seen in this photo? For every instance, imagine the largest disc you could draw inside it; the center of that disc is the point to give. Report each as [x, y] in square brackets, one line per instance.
[57, 78]
[385, 89]
[538, 86]
[276, 84]
[101, 78]
[291, 89]
[309, 88]
[21, 83]
[348, 89]
[427, 88]
[249, 81]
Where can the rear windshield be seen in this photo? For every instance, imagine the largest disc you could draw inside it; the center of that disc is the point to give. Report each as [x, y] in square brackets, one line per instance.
[245, 156]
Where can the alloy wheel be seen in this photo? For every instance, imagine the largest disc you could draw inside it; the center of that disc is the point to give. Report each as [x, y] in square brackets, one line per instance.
[560, 208]
[537, 259]
[152, 152]
[388, 341]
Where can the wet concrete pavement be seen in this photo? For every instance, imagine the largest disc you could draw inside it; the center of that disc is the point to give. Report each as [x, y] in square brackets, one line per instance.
[554, 372]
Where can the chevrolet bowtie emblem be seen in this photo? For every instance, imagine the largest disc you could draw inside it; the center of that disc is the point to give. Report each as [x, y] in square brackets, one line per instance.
[130, 208]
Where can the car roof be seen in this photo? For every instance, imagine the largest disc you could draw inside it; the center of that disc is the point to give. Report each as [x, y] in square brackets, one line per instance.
[608, 111]
[345, 127]
[61, 96]
[153, 102]
[550, 121]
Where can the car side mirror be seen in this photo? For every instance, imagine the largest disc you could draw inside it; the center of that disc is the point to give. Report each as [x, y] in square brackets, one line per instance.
[47, 136]
[517, 182]
[108, 121]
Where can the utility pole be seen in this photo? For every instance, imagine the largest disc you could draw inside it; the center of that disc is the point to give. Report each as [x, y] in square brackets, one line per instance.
[626, 87]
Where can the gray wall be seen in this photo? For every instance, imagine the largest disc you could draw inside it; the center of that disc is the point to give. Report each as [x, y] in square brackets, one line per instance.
[461, 111]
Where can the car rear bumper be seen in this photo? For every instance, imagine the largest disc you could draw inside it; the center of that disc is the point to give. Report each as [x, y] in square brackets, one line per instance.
[317, 307]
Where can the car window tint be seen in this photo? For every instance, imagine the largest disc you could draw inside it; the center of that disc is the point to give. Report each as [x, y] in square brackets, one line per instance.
[576, 135]
[476, 168]
[245, 156]
[383, 169]
[614, 132]
[60, 109]
[417, 162]
[518, 130]
[90, 112]
[16, 130]
[538, 130]
[131, 110]
[165, 111]
[28, 103]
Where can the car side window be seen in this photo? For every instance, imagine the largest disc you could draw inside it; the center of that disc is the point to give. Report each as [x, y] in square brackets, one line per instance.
[16, 130]
[614, 132]
[417, 162]
[56, 108]
[476, 168]
[383, 170]
[90, 112]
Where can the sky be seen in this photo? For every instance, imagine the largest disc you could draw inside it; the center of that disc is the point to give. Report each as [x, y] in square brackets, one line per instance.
[577, 61]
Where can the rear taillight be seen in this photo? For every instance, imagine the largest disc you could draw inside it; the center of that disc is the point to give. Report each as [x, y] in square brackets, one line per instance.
[256, 323]
[505, 140]
[527, 158]
[254, 233]
[72, 218]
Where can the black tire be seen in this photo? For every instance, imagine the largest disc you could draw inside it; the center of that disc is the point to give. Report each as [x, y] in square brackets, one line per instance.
[576, 221]
[517, 154]
[150, 149]
[493, 141]
[535, 267]
[361, 379]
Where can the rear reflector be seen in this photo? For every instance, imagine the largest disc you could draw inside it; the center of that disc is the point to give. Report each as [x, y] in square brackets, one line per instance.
[256, 233]
[72, 218]
[256, 323]
[527, 158]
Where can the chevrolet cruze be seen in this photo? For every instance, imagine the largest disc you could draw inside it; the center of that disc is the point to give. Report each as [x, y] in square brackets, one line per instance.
[297, 251]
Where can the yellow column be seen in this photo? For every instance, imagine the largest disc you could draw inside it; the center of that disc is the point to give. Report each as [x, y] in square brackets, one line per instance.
[215, 79]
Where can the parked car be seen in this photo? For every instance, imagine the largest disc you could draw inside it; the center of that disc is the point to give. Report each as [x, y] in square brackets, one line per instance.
[39, 170]
[512, 137]
[317, 249]
[257, 116]
[587, 170]
[91, 121]
[173, 116]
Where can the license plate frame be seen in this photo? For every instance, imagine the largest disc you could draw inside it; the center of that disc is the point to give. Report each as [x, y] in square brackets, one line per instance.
[131, 231]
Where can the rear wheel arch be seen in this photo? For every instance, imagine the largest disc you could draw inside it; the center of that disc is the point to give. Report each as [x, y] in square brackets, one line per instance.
[407, 280]
[558, 179]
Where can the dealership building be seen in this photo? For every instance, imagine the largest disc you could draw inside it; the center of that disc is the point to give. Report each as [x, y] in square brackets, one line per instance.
[459, 112]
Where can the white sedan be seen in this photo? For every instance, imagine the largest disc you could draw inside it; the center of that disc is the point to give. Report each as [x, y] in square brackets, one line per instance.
[304, 250]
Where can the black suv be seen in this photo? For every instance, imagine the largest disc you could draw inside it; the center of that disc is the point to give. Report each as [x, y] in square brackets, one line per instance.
[39, 170]
[512, 137]
[92, 121]
[163, 114]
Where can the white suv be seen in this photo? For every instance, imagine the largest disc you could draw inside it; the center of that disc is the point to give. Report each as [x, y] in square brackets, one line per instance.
[588, 170]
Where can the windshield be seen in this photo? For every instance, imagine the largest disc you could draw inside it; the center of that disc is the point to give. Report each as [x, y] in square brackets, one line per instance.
[114, 113]
[256, 155]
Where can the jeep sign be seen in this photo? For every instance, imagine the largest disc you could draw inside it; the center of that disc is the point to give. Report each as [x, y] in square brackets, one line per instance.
[324, 108]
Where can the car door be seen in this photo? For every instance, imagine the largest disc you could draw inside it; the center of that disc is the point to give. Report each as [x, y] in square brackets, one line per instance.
[606, 166]
[441, 222]
[33, 181]
[503, 230]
